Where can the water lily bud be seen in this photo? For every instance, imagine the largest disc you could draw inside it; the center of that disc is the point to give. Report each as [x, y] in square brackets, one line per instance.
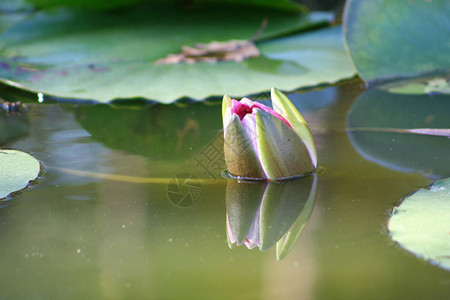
[265, 143]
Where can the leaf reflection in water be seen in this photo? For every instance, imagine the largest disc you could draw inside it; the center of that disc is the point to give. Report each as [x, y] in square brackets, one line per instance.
[13, 125]
[403, 132]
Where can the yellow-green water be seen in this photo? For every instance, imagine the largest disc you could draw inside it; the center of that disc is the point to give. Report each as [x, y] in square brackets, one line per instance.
[82, 234]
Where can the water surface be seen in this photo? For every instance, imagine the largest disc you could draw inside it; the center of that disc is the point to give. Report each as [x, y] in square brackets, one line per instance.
[84, 236]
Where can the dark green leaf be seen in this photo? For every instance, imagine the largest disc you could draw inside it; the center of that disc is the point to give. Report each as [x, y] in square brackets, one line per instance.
[104, 55]
[285, 5]
[396, 38]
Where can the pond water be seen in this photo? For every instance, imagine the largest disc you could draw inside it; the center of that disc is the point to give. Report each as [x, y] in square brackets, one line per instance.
[104, 223]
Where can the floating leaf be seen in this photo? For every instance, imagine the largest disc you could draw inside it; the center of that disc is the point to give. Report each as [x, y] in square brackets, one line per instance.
[13, 11]
[104, 56]
[8, 6]
[285, 5]
[421, 224]
[17, 169]
[395, 38]
[402, 132]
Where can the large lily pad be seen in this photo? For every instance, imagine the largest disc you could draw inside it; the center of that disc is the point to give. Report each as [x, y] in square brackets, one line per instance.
[421, 224]
[104, 56]
[12, 11]
[17, 169]
[287, 5]
[397, 131]
[397, 38]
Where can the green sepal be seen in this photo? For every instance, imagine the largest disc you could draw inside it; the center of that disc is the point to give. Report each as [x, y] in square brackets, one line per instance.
[283, 106]
[240, 156]
[281, 151]
[226, 103]
[288, 241]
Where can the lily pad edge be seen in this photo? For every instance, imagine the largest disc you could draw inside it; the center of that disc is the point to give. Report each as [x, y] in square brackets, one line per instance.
[30, 183]
[392, 211]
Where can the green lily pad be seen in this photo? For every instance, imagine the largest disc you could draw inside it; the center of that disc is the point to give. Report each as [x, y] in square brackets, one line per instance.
[12, 12]
[7, 6]
[287, 5]
[104, 56]
[17, 169]
[421, 224]
[395, 38]
[390, 129]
